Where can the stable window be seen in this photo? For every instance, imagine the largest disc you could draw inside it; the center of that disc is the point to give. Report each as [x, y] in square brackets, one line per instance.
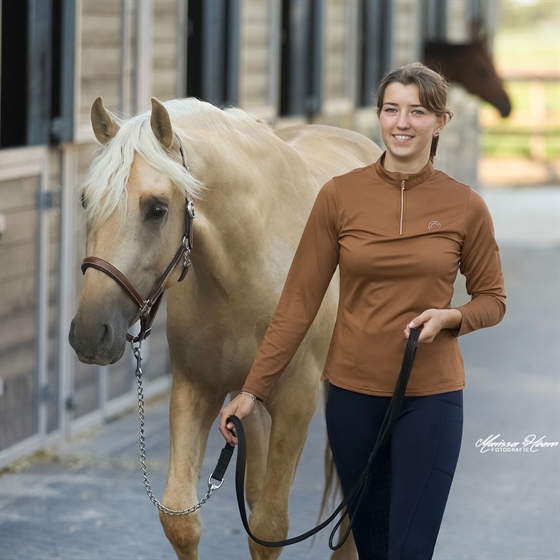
[37, 72]
[213, 51]
[375, 20]
[13, 126]
[435, 20]
[301, 66]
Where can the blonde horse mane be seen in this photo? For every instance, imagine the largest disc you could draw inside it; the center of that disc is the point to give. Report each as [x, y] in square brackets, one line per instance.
[104, 189]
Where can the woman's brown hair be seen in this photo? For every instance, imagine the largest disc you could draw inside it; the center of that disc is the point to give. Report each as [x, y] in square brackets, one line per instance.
[432, 91]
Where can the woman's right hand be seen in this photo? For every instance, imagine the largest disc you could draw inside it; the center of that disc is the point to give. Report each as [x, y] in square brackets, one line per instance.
[240, 406]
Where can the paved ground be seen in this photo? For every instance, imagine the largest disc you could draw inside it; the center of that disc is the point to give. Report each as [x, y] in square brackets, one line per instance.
[88, 502]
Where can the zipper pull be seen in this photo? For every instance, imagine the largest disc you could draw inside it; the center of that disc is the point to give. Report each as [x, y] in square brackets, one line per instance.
[403, 183]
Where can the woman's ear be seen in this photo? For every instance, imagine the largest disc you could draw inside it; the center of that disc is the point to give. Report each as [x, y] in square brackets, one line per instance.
[440, 124]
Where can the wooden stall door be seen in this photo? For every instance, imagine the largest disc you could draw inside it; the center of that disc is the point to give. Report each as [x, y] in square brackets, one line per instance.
[28, 299]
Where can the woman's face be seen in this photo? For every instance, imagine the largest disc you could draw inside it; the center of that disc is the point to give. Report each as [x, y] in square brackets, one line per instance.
[407, 128]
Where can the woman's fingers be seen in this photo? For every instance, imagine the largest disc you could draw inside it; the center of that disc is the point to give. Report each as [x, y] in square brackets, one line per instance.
[231, 434]
[241, 406]
[415, 323]
[431, 323]
[225, 427]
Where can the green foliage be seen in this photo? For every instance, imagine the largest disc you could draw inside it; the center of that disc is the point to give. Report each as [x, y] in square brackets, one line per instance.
[533, 49]
[523, 13]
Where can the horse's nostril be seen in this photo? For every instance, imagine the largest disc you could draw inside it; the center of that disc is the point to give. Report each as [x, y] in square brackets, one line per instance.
[72, 333]
[108, 336]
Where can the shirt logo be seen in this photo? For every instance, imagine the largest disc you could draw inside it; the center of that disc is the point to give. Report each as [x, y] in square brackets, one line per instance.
[434, 225]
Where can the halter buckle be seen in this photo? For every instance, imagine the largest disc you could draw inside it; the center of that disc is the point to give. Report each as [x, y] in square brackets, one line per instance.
[190, 209]
[146, 308]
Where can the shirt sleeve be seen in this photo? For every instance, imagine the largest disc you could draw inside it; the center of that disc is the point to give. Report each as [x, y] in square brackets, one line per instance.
[481, 266]
[309, 276]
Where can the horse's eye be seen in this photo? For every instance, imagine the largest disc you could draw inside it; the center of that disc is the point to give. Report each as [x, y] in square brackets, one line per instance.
[157, 211]
[84, 201]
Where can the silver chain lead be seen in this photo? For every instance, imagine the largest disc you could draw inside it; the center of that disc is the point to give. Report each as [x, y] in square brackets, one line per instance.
[136, 348]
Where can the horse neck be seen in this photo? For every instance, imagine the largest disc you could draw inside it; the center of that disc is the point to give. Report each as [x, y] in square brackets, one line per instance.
[444, 56]
[245, 179]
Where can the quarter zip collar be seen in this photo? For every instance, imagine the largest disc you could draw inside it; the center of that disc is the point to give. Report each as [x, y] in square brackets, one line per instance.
[396, 178]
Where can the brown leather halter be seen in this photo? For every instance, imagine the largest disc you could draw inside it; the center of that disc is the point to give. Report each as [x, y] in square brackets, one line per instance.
[148, 307]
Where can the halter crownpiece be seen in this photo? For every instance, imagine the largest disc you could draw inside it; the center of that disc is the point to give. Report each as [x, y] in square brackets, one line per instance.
[148, 307]
[181, 151]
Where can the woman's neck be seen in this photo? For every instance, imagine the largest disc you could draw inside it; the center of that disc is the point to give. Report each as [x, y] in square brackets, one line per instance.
[408, 167]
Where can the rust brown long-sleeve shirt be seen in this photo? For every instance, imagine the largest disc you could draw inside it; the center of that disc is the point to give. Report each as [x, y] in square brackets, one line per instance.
[399, 241]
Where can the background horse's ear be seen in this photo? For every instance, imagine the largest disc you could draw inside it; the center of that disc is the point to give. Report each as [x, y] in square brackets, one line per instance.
[161, 124]
[104, 126]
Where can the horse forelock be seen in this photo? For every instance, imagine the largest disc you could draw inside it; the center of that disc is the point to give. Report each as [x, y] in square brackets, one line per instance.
[105, 187]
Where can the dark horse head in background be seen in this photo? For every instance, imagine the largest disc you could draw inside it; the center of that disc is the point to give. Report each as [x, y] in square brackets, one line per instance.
[470, 65]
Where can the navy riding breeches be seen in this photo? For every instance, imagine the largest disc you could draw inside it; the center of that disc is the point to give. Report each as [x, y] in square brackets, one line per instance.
[405, 511]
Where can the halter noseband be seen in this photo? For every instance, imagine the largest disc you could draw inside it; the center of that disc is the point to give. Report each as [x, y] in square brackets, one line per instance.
[148, 307]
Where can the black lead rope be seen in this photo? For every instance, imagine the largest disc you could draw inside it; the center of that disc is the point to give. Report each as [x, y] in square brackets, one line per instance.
[356, 495]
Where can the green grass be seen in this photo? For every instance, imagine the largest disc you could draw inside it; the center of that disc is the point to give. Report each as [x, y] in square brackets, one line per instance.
[494, 145]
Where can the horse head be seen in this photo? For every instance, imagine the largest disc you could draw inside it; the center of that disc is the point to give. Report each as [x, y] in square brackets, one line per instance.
[135, 201]
[470, 65]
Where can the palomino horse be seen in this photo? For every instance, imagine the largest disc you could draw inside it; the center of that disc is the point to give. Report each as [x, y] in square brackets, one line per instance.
[253, 191]
[470, 65]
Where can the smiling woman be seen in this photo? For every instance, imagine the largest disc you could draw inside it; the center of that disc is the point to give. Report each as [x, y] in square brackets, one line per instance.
[399, 230]
[412, 110]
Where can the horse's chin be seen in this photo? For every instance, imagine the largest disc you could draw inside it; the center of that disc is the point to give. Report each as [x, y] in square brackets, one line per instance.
[102, 359]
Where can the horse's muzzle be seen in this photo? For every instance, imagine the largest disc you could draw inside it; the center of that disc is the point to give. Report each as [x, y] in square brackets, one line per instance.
[100, 343]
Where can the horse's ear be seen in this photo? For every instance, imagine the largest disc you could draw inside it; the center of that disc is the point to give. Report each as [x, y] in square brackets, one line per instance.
[161, 124]
[104, 126]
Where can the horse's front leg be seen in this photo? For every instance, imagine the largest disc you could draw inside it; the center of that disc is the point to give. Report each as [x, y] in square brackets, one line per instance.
[291, 407]
[191, 413]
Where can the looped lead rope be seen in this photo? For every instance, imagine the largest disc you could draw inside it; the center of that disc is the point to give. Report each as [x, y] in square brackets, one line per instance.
[358, 492]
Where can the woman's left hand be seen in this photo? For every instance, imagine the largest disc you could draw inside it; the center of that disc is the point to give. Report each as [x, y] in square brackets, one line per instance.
[432, 321]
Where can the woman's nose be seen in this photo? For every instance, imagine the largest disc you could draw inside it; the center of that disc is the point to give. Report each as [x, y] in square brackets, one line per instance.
[403, 121]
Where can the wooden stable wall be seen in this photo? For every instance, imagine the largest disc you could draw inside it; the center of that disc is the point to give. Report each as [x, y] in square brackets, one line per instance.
[127, 51]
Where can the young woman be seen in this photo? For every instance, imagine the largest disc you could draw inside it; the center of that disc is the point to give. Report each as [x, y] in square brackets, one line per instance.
[399, 230]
